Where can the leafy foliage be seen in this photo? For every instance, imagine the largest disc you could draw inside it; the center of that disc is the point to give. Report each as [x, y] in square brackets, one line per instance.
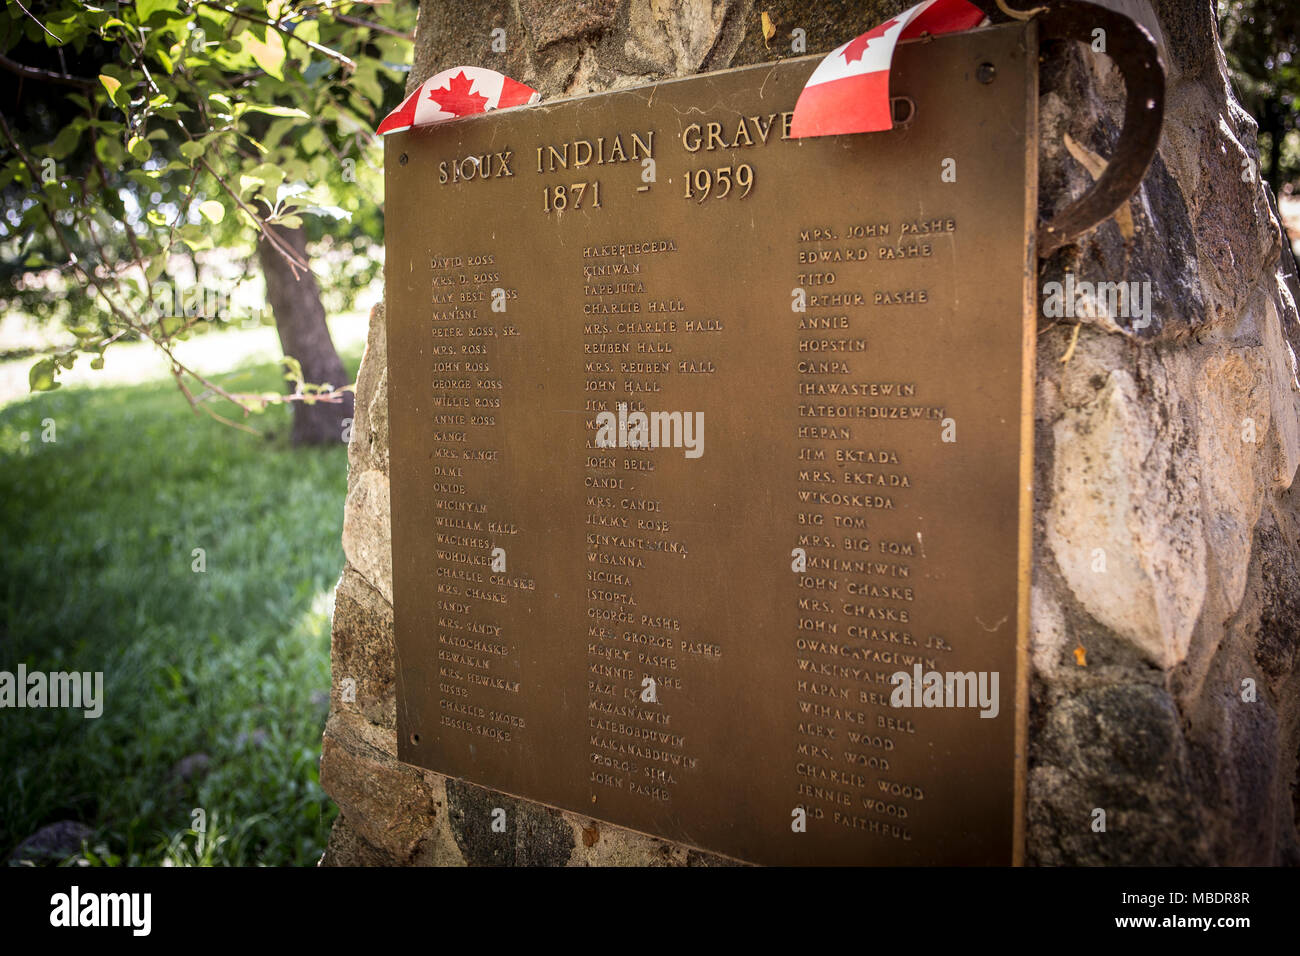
[137, 137]
[1262, 41]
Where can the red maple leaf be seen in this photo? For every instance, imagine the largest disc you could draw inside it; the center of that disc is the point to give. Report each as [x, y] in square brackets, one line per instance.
[458, 96]
[858, 47]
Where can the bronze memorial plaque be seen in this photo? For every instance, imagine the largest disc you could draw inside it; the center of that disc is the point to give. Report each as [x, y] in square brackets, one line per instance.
[700, 434]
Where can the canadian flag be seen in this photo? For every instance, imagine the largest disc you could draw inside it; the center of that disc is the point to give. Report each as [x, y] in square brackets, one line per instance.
[849, 90]
[460, 91]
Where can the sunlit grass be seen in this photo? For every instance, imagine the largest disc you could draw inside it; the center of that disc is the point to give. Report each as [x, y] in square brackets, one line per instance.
[97, 537]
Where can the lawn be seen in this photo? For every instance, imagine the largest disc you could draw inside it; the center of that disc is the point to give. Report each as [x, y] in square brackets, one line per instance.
[216, 681]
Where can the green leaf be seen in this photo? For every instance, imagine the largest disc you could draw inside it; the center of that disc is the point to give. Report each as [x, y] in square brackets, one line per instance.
[212, 210]
[147, 8]
[272, 110]
[109, 151]
[41, 376]
[191, 149]
[158, 262]
[139, 148]
[334, 212]
[318, 69]
[291, 190]
[365, 81]
[268, 53]
[196, 236]
[66, 141]
[271, 174]
[97, 362]
[313, 140]
[112, 84]
[62, 29]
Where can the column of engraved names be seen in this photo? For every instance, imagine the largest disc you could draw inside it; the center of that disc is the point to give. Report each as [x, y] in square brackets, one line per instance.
[860, 602]
[475, 578]
[636, 642]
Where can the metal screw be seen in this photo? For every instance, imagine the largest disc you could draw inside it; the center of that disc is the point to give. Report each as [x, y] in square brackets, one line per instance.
[985, 72]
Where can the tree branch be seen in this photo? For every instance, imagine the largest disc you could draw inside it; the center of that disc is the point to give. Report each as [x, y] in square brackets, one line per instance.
[36, 21]
[263, 226]
[45, 76]
[54, 226]
[126, 226]
[325, 51]
[378, 27]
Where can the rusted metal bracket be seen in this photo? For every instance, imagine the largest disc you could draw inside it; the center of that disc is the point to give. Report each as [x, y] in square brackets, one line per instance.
[1134, 52]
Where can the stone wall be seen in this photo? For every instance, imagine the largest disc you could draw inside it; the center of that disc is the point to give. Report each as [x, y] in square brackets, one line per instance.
[1166, 547]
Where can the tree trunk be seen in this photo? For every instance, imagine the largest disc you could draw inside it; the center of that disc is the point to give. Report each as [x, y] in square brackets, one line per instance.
[300, 320]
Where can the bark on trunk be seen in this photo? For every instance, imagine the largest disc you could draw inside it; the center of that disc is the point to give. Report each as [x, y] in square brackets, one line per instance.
[300, 320]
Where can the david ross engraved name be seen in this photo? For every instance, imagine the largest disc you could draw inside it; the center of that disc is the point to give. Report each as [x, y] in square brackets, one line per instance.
[787, 650]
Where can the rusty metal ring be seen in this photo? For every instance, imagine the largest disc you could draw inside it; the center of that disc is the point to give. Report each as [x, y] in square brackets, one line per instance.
[1134, 52]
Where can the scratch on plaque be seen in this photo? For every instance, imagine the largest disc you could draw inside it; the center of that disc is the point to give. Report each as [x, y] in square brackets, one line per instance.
[762, 86]
[720, 104]
[994, 627]
[921, 543]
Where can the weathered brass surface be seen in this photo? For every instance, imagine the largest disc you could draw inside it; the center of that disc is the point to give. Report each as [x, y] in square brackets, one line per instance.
[823, 430]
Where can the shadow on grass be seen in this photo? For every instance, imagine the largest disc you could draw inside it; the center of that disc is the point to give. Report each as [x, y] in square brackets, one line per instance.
[98, 536]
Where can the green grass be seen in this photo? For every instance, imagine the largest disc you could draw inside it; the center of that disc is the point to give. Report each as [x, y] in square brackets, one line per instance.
[97, 531]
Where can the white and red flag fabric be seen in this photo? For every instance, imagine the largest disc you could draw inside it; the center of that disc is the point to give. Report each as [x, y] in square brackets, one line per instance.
[460, 91]
[849, 90]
